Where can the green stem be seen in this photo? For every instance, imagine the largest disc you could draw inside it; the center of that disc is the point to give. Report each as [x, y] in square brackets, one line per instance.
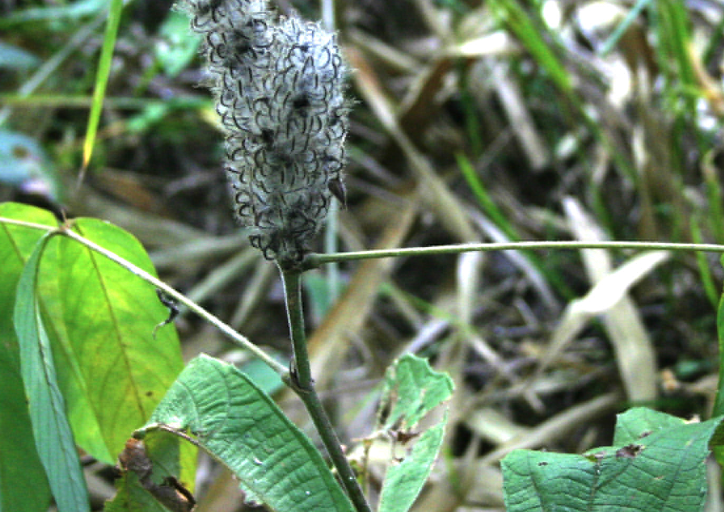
[302, 383]
[315, 260]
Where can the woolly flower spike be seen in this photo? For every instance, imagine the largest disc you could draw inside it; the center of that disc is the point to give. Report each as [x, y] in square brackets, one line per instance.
[280, 95]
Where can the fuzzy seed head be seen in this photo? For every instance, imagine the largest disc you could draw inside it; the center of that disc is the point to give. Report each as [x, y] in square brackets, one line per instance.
[279, 86]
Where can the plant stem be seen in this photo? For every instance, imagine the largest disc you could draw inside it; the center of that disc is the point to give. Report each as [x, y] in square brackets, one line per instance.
[316, 260]
[303, 385]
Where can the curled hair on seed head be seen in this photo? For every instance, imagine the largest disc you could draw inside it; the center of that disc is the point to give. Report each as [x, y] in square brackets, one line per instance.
[279, 85]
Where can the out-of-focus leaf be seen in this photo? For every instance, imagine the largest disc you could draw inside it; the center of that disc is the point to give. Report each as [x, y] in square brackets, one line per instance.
[104, 71]
[177, 46]
[267, 379]
[73, 10]
[12, 57]
[23, 164]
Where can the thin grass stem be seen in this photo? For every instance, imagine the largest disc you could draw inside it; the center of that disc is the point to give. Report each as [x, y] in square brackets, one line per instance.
[316, 260]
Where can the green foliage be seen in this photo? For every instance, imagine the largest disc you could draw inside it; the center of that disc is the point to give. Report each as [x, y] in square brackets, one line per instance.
[122, 370]
[86, 353]
[104, 70]
[178, 47]
[629, 113]
[412, 390]
[530, 32]
[657, 462]
[236, 422]
[23, 484]
[719, 404]
[53, 437]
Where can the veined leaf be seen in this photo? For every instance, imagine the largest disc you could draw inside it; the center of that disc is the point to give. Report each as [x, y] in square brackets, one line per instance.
[659, 465]
[111, 370]
[412, 389]
[23, 485]
[240, 425]
[109, 316]
[404, 481]
[53, 437]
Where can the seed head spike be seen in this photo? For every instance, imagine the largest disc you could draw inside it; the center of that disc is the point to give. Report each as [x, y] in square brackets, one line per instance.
[279, 86]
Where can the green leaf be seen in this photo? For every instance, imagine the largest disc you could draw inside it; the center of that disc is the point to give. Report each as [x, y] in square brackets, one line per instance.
[718, 409]
[147, 480]
[53, 437]
[238, 424]
[14, 57]
[23, 485]
[132, 497]
[72, 11]
[412, 389]
[111, 371]
[512, 13]
[104, 71]
[641, 421]
[660, 467]
[117, 371]
[404, 481]
[176, 46]
[719, 402]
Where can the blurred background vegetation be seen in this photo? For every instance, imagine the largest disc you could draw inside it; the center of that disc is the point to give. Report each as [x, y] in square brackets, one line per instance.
[473, 121]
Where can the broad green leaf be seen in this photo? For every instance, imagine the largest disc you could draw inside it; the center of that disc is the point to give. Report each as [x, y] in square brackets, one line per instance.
[53, 437]
[412, 389]
[404, 481]
[121, 371]
[23, 485]
[112, 315]
[238, 424]
[662, 470]
[641, 421]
